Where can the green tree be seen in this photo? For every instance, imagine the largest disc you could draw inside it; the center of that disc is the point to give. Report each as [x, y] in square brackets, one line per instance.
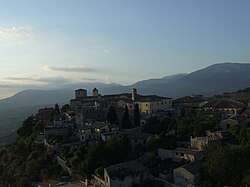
[112, 116]
[23, 182]
[137, 118]
[227, 166]
[241, 134]
[192, 124]
[125, 120]
[33, 168]
[56, 109]
[26, 128]
[155, 126]
[65, 108]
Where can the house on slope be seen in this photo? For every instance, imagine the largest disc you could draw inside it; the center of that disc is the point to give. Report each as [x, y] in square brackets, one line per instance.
[189, 174]
[126, 174]
[228, 107]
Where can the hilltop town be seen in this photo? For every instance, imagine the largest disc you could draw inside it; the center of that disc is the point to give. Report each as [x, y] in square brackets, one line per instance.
[130, 140]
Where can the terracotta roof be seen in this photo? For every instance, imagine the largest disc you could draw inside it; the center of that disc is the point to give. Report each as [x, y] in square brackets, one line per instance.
[187, 151]
[191, 99]
[98, 124]
[147, 98]
[127, 95]
[224, 103]
[131, 166]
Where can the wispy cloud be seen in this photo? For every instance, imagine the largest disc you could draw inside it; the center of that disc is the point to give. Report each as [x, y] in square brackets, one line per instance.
[70, 69]
[34, 81]
[15, 32]
[107, 80]
[90, 80]
[8, 81]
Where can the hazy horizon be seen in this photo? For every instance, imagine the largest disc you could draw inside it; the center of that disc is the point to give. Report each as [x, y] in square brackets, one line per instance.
[46, 44]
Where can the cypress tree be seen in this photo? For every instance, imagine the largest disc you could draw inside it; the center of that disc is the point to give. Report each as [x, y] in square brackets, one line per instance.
[112, 116]
[137, 118]
[125, 120]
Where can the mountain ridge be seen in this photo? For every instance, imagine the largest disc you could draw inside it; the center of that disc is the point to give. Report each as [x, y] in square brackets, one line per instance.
[223, 77]
[212, 80]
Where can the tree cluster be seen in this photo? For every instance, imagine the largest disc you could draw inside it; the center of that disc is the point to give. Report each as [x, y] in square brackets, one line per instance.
[92, 159]
[24, 161]
[227, 166]
[195, 123]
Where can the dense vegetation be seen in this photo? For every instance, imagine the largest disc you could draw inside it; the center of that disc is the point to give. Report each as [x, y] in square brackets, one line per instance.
[24, 161]
[227, 166]
[86, 160]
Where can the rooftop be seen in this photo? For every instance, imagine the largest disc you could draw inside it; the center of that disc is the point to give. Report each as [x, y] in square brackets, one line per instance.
[193, 167]
[81, 90]
[224, 103]
[130, 166]
[151, 98]
[98, 124]
[188, 151]
[191, 99]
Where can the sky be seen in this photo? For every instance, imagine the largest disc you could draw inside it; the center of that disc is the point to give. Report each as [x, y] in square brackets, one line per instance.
[45, 44]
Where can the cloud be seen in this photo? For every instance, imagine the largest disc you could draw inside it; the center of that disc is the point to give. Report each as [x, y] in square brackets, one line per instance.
[18, 79]
[70, 69]
[106, 50]
[107, 80]
[31, 81]
[54, 80]
[15, 32]
[48, 82]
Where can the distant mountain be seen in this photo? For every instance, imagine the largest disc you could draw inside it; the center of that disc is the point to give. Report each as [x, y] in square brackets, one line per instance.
[28, 98]
[15, 109]
[215, 79]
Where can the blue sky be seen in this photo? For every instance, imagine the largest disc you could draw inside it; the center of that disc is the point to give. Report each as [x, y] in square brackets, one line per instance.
[46, 43]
